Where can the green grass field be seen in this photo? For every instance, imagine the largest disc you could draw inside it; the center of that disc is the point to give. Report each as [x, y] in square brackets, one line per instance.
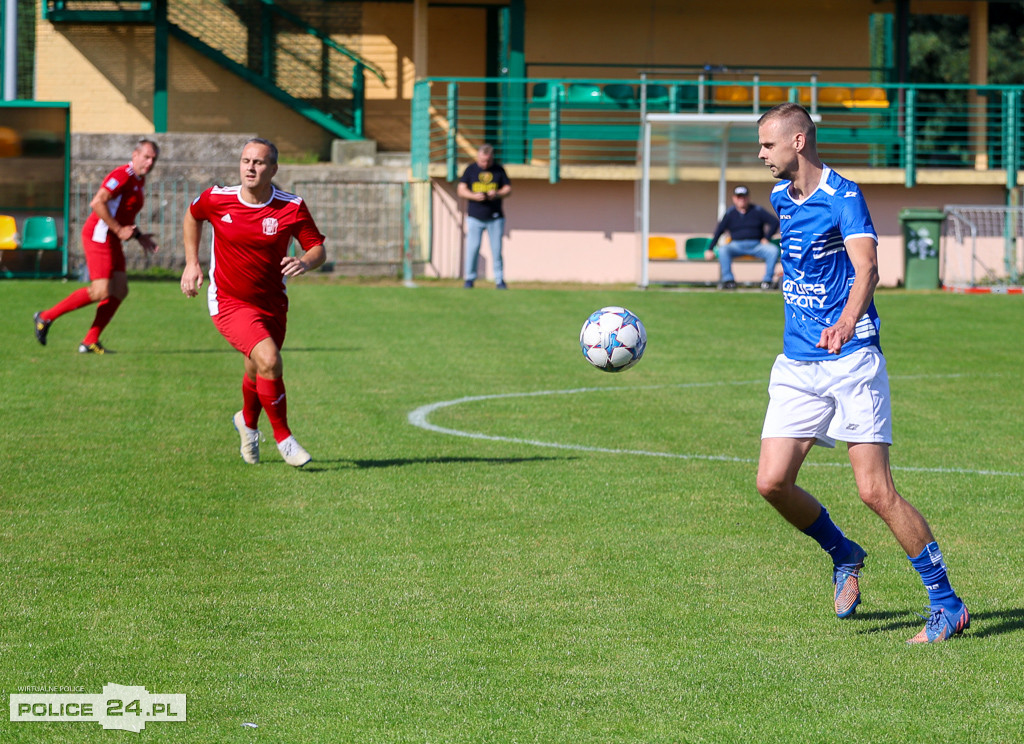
[417, 586]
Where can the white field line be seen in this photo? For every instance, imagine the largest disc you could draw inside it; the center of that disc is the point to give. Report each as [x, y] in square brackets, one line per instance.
[420, 418]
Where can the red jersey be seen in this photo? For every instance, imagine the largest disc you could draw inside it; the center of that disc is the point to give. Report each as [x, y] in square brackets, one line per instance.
[124, 205]
[249, 241]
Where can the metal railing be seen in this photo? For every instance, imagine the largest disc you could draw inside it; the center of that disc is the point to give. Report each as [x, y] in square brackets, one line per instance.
[284, 50]
[554, 123]
[273, 47]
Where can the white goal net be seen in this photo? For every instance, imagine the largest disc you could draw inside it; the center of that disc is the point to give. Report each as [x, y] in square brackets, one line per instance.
[683, 157]
[982, 246]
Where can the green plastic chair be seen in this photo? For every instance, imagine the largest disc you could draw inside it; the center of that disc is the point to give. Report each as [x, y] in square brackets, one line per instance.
[695, 248]
[621, 94]
[583, 93]
[657, 95]
[542, 92]
[39, 233]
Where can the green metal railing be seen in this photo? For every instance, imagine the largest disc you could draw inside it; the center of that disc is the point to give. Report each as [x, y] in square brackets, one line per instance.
[279, 50]
[555, 123]
[269, 46]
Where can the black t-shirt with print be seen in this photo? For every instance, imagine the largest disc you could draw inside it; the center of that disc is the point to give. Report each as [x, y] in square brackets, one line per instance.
[486, 180]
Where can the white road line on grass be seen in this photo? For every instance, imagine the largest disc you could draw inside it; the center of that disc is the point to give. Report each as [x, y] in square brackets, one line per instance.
[420, 418]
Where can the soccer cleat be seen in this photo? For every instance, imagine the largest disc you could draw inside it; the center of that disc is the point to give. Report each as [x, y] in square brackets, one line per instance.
[468, 284]
[846, 581]
[250, 440]
[942, 625]
[727, 285]
[42, 327]
[501, 285]
[95, 348]
[768, 286]
[293, 452]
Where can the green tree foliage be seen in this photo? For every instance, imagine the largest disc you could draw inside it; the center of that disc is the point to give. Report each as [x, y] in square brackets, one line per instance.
[939, 50]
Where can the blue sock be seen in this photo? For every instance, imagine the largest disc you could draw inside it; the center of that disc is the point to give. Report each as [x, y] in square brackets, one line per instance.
[932, 568]
[829, 537]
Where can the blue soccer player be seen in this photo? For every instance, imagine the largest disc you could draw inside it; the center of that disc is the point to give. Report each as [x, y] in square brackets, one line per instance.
[830, 382]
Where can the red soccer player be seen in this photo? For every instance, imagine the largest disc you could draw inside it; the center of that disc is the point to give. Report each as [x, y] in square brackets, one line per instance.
[253, 223]
[114, 208]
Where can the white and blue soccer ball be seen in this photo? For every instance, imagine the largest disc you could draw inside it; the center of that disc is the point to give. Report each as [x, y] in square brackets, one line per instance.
[613, 339]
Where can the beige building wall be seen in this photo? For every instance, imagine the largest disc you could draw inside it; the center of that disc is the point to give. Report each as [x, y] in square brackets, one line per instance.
[106, 72]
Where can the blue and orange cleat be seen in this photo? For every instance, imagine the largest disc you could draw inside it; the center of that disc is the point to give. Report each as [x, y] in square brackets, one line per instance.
[943, 625]
[846, 580]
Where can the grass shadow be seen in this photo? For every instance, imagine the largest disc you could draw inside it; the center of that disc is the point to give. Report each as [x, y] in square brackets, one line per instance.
[397, 462]
[229, 350]
[983, 624]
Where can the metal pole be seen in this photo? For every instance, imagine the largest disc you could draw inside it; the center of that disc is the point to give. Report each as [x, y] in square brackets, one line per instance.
[10, 60]
[645, 204]
[723, 167]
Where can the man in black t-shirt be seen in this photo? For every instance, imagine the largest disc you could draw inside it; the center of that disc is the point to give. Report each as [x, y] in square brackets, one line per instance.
[750, 229]
[484, 184]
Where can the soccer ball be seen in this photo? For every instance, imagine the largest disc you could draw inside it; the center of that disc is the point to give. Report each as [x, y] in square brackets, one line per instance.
[613, 339]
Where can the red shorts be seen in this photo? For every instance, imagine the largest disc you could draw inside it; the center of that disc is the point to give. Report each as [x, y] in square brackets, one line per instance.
[245, 325]
[103, 259]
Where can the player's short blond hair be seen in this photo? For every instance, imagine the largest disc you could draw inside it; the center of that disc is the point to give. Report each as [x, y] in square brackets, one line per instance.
[794, 117]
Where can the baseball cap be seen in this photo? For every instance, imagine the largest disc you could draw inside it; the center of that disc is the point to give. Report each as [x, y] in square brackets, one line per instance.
[740, 191]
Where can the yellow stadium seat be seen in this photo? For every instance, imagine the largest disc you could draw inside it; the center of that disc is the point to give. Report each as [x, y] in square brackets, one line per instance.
[660, 248]
[10, 143]
[833, 96]
[826, 96]
[732, 94]
[9, 240]
[868, 98]
[771, 94]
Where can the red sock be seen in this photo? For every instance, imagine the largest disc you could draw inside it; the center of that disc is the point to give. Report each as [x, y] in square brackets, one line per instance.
[104, 312]
[78, 298]
[251, 405]
[275, 403]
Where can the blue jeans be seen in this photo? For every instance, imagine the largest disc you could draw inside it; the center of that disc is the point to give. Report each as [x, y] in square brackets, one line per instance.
[767, 252]
[474, 234]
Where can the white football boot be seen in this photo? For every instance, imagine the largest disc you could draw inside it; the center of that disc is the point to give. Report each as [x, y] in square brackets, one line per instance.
[250, 440]
[293, 452]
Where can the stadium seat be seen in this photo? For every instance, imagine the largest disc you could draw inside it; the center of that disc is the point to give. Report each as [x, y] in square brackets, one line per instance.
[826, 96]
[621, 94]
[9, 240]
[660, 248]
[695, 248]
[868, 98]
[687, 95]
[657, 95]
[10, 143]
[39, 233]
[769, 95]
[730, 94]
[584, 93]
[543, 92]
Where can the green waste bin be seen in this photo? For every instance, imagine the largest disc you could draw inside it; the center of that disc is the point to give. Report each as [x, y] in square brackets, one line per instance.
[922, 230]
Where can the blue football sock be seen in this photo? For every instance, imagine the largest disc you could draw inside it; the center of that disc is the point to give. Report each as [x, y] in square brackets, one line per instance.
[932, 568]
[829, 537]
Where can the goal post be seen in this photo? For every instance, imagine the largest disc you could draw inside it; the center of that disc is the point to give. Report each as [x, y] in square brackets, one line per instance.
[982, 247]
[671, 144]
[683, 150]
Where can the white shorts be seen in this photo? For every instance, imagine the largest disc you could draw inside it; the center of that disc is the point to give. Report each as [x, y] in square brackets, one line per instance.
[844, 399]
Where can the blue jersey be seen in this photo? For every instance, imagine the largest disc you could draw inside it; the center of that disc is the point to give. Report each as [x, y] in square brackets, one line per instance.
[817, 273]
